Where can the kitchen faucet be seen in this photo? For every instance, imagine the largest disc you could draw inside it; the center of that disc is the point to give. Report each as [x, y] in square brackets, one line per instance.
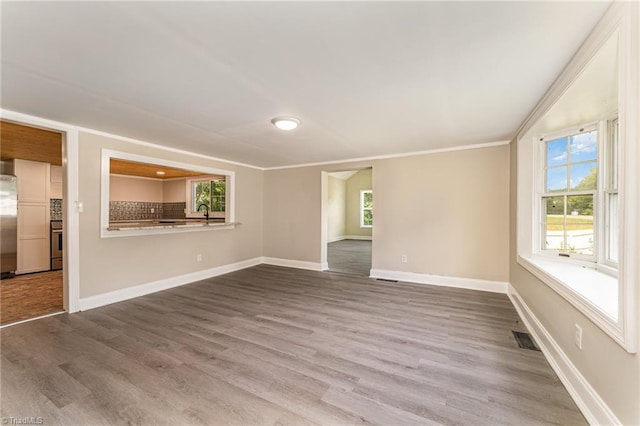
[206, 210]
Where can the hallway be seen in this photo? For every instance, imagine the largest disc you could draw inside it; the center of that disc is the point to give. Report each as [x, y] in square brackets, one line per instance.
[350, 257]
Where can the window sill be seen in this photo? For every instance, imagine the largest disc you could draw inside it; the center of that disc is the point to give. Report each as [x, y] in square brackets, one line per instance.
[595, 287]
[592, 292]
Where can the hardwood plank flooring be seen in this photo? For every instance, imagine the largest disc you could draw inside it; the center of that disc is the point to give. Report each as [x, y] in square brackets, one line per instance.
[30, 296]
[350, 257]
[278, 346]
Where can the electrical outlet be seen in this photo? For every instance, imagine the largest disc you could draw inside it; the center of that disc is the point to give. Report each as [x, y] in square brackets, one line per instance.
[198, 257]
[404, 258]
[578, 337]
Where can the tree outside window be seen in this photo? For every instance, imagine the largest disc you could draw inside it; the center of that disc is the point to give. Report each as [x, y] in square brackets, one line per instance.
[211, 193]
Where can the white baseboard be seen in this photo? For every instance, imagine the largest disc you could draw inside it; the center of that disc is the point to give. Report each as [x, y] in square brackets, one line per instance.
[595, 410]
[358, 237]
[349, 237]
[299, 264]
[91, 302]
[441, 280]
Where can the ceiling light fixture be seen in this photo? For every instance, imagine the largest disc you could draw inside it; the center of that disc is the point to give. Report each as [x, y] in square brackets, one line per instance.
[160, 172]
[286, 123]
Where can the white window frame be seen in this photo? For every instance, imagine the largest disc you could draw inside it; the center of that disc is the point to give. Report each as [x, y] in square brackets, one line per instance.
[610, 187]
[621, 19]
[599, 233]
[363, 208]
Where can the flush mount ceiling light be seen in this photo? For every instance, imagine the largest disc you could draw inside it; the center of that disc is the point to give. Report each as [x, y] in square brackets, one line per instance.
[286, 123]
[160, 172]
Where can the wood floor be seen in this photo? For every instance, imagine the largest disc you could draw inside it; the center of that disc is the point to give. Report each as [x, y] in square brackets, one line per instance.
[30, 295]
[350, 257]
[277, 346]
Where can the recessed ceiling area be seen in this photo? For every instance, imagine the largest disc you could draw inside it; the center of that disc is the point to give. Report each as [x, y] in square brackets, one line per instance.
[134, 168]
[364, 78]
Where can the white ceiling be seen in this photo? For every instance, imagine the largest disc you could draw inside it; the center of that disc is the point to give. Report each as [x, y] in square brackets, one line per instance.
[365, 78]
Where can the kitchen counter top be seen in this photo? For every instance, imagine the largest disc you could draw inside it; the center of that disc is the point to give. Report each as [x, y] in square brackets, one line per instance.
[166, 223]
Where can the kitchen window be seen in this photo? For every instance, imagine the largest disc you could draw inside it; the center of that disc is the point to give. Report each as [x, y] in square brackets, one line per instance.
[366, 208]
[210, 193]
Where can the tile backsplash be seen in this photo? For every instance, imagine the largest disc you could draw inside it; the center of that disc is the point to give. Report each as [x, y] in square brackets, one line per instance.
[55, 208]
[142, 210]
[173, 210]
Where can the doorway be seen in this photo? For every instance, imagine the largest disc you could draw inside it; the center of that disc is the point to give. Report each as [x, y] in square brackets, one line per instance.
[349, 221]
[32, 283]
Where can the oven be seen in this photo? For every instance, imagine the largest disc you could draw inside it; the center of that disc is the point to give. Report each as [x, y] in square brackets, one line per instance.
[56, 245]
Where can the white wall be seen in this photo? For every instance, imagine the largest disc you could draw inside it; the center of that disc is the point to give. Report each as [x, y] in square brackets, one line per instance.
[448, 212]
[109, 264]
[336, 208]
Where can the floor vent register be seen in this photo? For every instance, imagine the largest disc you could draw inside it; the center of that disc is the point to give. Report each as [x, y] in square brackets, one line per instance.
[525, 341]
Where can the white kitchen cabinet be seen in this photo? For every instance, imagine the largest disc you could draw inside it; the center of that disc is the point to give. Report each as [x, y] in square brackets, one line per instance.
[33, 216]
[56, 182]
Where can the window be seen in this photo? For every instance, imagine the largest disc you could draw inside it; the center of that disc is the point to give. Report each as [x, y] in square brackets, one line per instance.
[209, 193]
[570, 187]
[571, 194]
[577, 228]
[366, 208]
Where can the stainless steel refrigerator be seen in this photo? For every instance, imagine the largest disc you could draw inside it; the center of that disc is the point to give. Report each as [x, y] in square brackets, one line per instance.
[8, 224]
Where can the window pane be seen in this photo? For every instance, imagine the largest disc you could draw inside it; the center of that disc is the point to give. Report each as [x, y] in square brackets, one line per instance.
[217, 204]
[584, 176]
[583, 146]
[219, 187]
[580, 237]
[201, 194]
[557, 152]
[367, 217]
[579, 206]
[367, 200]
[557, 179]
[580, 224]
[613, 227]
[553, 217]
